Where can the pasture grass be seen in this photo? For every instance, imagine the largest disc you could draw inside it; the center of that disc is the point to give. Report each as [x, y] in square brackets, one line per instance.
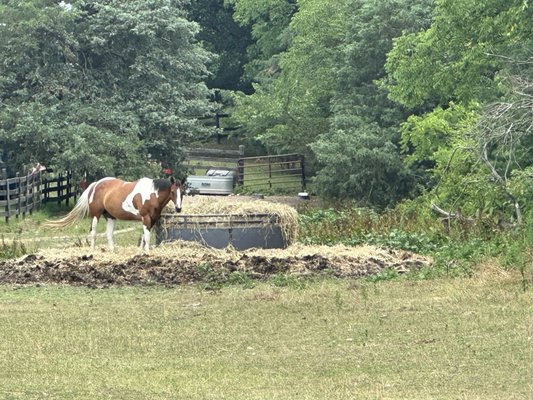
[467, 338]
[31, 233]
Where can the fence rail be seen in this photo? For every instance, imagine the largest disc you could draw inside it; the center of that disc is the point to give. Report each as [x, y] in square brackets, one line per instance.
[24, 194]
[202, 159]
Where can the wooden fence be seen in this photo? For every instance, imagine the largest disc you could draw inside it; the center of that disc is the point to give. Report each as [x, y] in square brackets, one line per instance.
[24, 194]
[200, 160]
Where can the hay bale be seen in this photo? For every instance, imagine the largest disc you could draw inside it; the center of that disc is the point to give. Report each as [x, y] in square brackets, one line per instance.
[216, 209]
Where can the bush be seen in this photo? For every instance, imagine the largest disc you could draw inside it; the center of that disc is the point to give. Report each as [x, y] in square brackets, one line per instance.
[456, 247]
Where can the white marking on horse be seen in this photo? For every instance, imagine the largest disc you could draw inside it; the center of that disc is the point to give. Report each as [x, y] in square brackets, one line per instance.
[145, 240]
[94, 188]
[144, 187]
[110, 227]
[178, 198]
[94, 224]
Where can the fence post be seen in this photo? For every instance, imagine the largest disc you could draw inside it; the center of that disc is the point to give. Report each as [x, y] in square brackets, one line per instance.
[8, 198]
[29, 191]
[240, 172]
[302, 166]
[270, 173]
[59, 188]
[39, 191]
[19, 195]
[26, 195]
[6, 207]
[44, 181]
[69, 176]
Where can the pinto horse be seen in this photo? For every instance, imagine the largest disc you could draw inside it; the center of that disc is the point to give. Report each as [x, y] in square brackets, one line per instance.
[142, 200]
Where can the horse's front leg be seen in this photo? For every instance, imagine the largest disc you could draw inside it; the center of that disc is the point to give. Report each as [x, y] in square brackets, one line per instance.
[145, 241]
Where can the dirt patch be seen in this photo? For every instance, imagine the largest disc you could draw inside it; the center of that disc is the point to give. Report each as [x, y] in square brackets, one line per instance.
[183, 263]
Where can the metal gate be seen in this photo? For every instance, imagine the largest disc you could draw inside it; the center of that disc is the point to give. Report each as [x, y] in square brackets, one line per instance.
[282, 173]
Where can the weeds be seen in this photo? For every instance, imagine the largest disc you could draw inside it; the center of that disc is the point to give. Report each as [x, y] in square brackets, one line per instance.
[456, 247]
[210, 277]
[240, 279]
[385, 275]
[12, 249]
[519, 255]
[288, 280]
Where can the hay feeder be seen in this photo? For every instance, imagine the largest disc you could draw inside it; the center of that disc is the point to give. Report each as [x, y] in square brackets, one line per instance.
[240, 231]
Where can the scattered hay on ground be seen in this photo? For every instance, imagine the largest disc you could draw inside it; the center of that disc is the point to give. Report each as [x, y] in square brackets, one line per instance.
[183, 262]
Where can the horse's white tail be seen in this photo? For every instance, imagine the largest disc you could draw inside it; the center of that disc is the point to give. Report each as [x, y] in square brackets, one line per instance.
[80, 211]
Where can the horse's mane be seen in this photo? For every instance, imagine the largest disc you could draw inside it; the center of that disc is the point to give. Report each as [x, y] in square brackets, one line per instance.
[161, 184]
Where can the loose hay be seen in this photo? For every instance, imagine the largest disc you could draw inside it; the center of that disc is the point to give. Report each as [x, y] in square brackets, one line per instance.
[184, 262]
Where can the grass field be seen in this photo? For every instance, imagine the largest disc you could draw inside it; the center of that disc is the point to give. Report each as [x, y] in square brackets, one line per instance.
[33, 235]
[325, 339]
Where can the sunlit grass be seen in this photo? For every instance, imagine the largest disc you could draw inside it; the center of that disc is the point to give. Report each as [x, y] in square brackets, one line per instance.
[32, 233]
[445, 339]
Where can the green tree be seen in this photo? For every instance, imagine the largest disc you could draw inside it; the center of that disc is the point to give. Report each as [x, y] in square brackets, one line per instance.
[459, 58]
[472, 67]
[367, 166]
[226, 38]
[288, 112]
[269, 23]
[107, 87]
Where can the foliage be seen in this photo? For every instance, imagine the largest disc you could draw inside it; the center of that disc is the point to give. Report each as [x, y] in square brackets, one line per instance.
[324, 102]
[370, 31]
[469, 76]
[12, 249]
[359, 156]
[269, 24]
[225, 37]
[355, 226]
[455, 246]
[456, 58]
[104, 87]
[357, 164]
[439, 146]
[289, 110]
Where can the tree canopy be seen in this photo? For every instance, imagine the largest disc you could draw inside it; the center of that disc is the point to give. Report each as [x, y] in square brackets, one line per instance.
[468, 76]
[388, 100]
[107, 87]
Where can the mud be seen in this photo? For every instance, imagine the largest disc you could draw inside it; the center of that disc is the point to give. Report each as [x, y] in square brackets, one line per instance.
[202, 267]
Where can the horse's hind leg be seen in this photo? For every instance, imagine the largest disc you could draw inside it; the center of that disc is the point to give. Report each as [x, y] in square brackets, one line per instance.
[110, 227]
[94, 224]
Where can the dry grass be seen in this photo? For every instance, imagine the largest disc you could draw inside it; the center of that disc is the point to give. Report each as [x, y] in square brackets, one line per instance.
[196, 252]
[441, 339]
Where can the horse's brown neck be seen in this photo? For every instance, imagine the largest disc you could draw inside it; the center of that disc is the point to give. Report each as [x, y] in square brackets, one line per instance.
[164, 198]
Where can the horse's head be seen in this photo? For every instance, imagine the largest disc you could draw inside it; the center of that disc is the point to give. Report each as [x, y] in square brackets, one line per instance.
[177, 191]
